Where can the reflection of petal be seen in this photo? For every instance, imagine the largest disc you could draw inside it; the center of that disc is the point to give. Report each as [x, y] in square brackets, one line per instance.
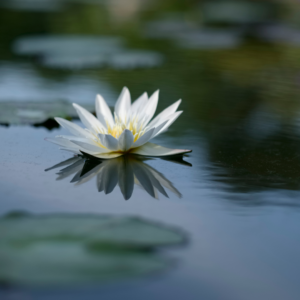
[143, 178]
[126, 171]
[150, 149]
[177, 159]
[155, 183]
[100, 179]
[65, 163]
[126, 178]
[164, 181]
[76, 177]
[77, 166]
[111, 176]
[86, 176]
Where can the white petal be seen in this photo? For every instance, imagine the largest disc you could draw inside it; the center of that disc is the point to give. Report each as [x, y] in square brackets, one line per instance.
[73, 150]
[62, 142]
[122, 107]
[151, 106]
[139, 103]
[109, 142]
[169, 123]
[158, 129]
[144, 138]
[89, 120]
[150, 149]
[73, 128]
[102, 139]
[80, 139]
[125, 140]
[103, 112]
[165, 114]
[88, 147]
[108, 155]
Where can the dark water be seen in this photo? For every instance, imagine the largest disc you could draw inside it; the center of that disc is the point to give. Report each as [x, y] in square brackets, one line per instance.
[236, 65]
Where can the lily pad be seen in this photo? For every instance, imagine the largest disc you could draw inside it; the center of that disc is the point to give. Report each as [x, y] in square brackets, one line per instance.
[168, 28]
[210, 39]
[279, 33]
[191, 36]
[29, 113]
[69, 51]
[236, 12]
[43, 5]
[79, 52]
[135, 59]
[66, 44]
[80, 249]
[33, 5]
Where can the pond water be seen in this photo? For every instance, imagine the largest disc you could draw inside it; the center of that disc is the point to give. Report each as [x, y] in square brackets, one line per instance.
[236, 197]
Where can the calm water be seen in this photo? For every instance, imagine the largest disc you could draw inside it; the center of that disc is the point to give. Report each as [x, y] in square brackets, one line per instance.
[237, 195]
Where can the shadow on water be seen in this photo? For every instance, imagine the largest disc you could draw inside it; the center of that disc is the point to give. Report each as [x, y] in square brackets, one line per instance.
[125, 171]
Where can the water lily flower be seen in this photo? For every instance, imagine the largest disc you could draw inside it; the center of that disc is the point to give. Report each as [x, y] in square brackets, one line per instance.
[129, 131]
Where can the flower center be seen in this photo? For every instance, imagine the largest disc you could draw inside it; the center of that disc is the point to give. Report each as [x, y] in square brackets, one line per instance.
[117, 130]
[133, 125]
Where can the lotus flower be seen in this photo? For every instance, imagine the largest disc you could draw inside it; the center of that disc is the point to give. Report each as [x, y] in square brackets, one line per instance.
[129, 131]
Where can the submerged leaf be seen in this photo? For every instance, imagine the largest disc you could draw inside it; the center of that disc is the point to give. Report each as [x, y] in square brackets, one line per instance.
[64, 249]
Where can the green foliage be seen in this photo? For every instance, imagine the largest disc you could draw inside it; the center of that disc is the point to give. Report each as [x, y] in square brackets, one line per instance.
[79, 249]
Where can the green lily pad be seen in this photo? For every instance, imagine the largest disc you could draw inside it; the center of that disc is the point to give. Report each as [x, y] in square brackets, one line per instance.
[207, 39]
[60, 250]
[79, 52]
[33, 5]
[29, 113]
[236, 12]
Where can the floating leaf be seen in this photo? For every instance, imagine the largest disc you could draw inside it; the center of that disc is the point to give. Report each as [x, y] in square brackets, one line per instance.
[135, 59]
[236, 12]
[79, 249]
[190, 36]
[79, 52]
[33, 5]
[210, 39]
[13, 112]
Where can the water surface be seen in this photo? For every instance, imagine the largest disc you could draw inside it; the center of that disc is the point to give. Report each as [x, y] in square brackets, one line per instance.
[239, 81]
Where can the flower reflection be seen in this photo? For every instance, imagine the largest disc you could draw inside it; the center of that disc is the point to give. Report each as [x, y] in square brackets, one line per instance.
[125, 171]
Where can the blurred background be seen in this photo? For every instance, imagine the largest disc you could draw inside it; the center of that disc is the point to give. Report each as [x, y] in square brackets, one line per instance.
[235, 64]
